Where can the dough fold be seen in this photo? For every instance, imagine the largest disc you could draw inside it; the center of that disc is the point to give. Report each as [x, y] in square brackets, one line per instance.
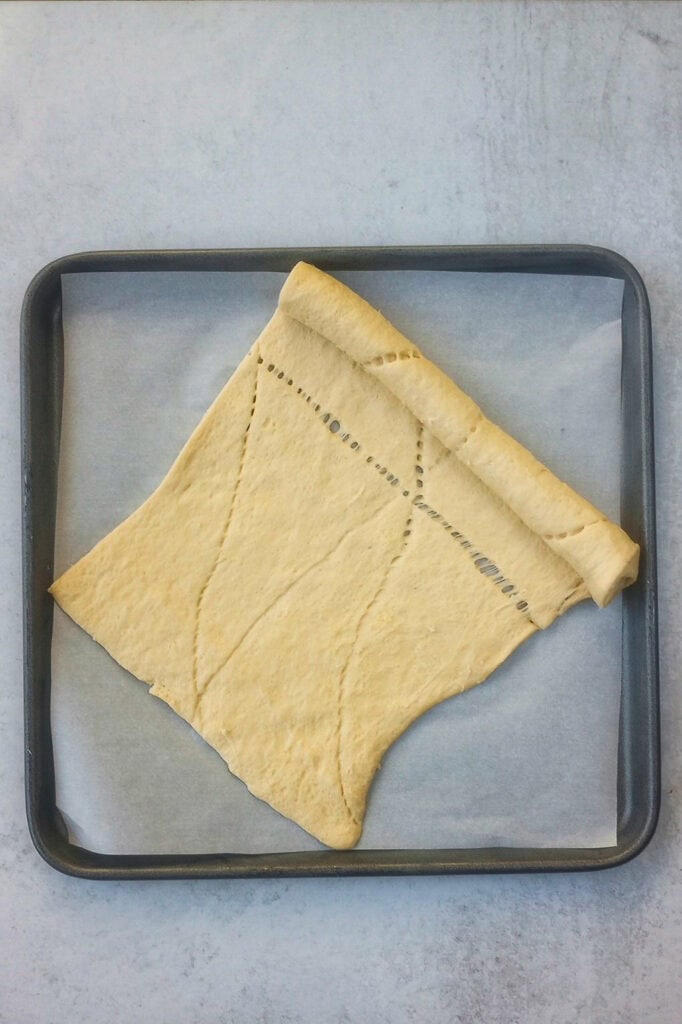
[601, 553]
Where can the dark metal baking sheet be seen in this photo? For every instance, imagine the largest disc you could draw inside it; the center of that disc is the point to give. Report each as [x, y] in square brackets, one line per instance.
[42, 378]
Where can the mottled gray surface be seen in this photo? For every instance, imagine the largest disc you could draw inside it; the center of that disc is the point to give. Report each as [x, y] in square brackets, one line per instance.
[152, 125]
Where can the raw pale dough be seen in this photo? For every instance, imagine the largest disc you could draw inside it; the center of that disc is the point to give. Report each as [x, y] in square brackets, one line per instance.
[344, 541]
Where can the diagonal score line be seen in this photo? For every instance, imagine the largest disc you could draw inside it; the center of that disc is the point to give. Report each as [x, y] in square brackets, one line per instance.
[363, 618]
[223, 538]
[279, 597]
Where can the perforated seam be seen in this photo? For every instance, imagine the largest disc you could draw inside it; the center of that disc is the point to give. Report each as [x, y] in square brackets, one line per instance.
[572, 533]
[484, 565]
[392, 357]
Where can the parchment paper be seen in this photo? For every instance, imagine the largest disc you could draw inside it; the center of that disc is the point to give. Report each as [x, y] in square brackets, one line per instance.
[529, 757]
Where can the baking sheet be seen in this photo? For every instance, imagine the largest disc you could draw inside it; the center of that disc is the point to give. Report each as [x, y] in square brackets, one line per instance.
[527, 759]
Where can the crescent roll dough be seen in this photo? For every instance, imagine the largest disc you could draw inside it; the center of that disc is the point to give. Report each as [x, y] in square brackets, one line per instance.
[344, 541]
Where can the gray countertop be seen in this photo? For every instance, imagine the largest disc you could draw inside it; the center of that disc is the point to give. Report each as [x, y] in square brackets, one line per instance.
[258, 124]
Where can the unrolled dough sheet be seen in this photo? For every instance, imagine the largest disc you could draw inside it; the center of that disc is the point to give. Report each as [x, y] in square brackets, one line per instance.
[549, 349]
